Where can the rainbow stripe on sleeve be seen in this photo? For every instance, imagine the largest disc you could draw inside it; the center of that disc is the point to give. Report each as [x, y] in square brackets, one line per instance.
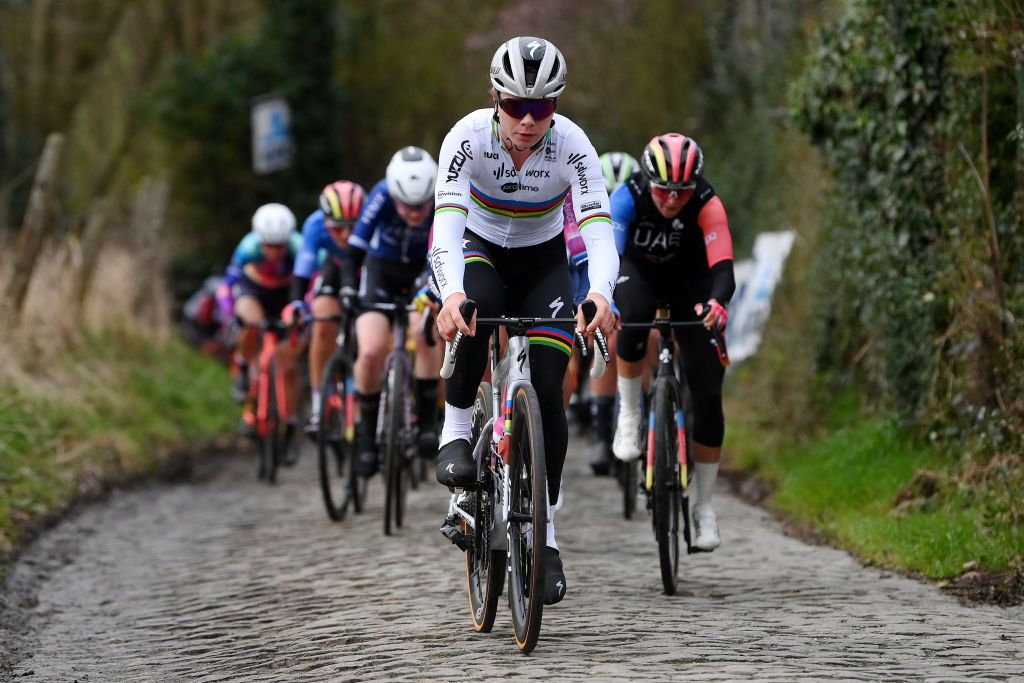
[595, 218]
[451, 208]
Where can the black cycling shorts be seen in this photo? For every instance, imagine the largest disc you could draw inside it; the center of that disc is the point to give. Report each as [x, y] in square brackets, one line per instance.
[641, 287]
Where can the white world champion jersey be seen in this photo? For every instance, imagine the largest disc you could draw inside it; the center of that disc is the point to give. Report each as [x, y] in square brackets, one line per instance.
[479, 188]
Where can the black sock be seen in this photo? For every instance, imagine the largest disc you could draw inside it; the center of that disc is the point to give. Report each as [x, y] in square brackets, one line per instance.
[370, 405]
[601, 408]
[426, 403]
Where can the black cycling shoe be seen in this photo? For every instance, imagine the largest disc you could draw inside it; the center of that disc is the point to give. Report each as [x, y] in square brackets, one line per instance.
[291, 451]
[601, 459]
[455, 465]
[312, 427]
[366, 464]
[554, 577]
[426, 442]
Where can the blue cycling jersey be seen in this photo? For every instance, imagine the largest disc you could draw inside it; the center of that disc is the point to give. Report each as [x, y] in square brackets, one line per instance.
[249, 261]
[381, 232]
[317, 245]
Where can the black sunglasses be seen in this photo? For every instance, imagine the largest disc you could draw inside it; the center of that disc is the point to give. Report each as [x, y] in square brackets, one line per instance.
[518, 109]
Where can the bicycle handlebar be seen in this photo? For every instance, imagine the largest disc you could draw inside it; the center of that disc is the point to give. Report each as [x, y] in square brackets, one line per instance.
[467, 308]
[601, 359]
[717, 336]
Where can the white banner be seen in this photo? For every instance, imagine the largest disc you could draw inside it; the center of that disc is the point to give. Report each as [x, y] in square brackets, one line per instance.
[755, 282]
[272, 145]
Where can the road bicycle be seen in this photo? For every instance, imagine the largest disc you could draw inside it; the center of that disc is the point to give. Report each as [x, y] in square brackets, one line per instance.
[502, 522]
[341, 485]
[666, 464]
[274, 433]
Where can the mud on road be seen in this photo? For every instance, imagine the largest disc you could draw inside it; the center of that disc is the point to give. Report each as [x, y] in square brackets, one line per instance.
[230, 579]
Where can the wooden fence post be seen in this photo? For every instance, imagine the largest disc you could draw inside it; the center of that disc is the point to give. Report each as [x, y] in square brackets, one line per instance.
[147, 223]
[38, 224]
[92, 240]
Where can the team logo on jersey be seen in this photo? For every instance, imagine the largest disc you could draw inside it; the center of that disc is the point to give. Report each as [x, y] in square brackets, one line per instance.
[576, 160]
[590, 206]
[464, 154]
[678, 224]
[710, 237]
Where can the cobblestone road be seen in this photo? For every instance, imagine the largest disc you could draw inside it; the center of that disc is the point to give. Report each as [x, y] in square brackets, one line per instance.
[229, 579]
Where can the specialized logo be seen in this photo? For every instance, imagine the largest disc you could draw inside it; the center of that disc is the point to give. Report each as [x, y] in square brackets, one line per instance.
[622, 278]
[561, 588]
[556, 306]
[576, 161]
[533, 47]
[521, 360]
[464, 154]
[450, 469]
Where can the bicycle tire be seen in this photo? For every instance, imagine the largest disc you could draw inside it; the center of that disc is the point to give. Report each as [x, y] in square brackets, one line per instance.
[628, 480]
[528, 475]
[391, 446]
[666, 489]
[269, 451]
[333, 450]
[485, 568]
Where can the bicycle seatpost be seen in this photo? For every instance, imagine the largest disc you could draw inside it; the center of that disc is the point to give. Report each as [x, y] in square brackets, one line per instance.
[467, 308]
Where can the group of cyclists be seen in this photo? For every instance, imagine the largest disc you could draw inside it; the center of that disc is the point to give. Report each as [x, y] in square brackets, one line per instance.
[520, 214]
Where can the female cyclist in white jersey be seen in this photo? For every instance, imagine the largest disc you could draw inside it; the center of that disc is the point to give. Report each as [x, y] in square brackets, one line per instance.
[503, 176]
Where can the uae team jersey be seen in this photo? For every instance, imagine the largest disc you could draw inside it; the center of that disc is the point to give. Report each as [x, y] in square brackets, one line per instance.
[478, 188]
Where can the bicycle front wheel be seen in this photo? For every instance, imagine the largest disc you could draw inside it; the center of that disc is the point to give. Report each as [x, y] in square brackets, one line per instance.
[485, 567]
[270, 444]
[333, 448]
[666, 489]
[395, 473]
[527, 523]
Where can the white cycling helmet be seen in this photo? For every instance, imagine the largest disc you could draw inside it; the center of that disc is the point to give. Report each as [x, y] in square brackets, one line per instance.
[528, 67]
[411, 175]
[273, 223]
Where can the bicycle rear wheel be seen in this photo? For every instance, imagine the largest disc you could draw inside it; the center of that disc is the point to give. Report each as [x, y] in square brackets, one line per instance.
[333, 449]
[666, 489]
[485, 568]
[527, 523]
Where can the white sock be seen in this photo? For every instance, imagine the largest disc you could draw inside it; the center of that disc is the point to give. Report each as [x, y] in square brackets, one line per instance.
[458, 423]
[552, 509]
[316, 401]
[705, 474]
[629, 394]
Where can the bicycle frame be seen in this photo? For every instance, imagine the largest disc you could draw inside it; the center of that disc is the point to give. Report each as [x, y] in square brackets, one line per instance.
[506, 377]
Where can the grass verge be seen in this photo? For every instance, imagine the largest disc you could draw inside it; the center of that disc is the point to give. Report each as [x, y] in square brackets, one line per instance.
[861, 483]
[108, 408]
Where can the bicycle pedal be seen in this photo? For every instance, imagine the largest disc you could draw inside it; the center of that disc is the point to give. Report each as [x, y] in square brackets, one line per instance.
[451, 531]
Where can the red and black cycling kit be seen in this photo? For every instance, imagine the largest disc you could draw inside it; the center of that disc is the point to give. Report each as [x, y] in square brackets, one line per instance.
[681, 261]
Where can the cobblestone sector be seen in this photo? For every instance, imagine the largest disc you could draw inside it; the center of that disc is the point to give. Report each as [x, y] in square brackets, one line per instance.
[231, 579]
